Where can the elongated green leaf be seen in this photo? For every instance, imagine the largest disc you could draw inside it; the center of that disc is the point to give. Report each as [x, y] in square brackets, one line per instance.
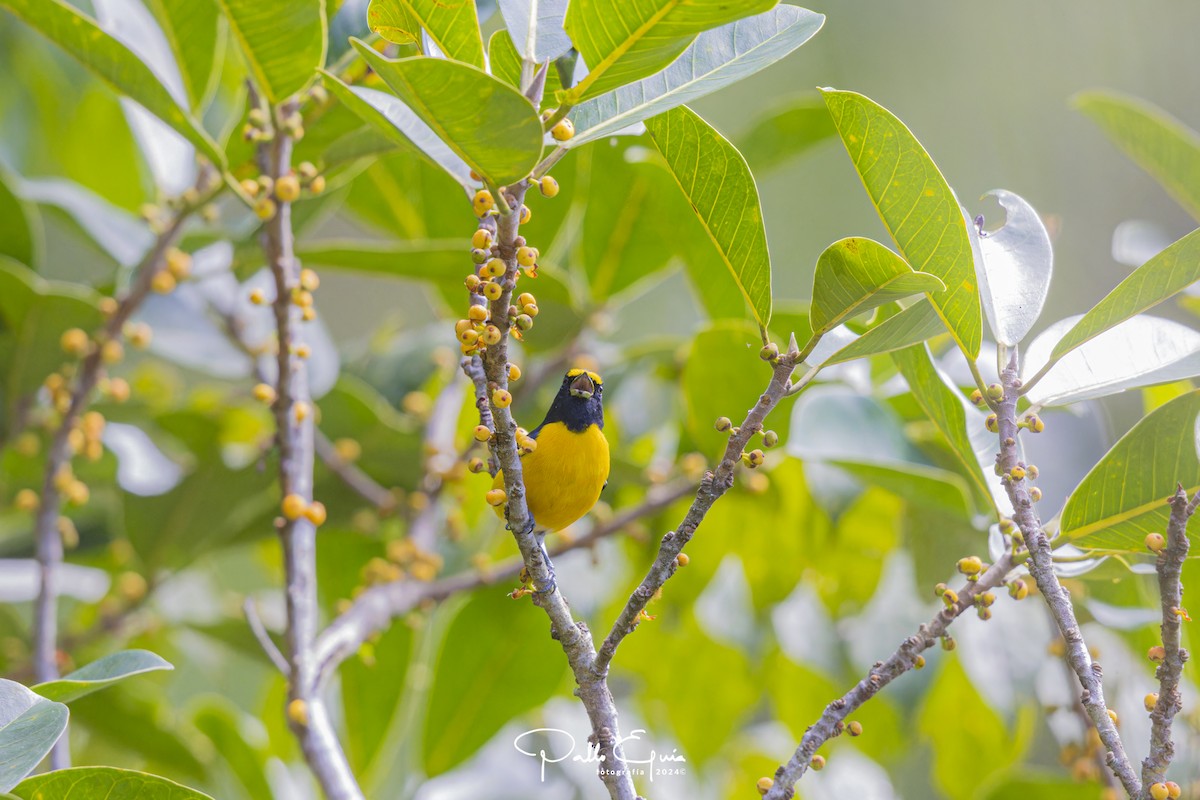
[29, 727]
[505, 64]
[20, 226]
[917, 206]
[283, 41]
[944, 408]
[786, 132]
[81, 37]
[714, 60]
[718, 184]
[916, 483]
[452, 25]
[103, 783]
[101, 674]
[488, 123]
[1125, 496]
[856, 275]
[192, 29]
[1169, 272]
[624, 41]
[467, 704]
[913, 325]
[1157, 142]
[536, 27]
[396, 121]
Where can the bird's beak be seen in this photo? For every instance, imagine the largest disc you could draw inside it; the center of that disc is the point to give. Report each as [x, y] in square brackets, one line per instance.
[583, 387]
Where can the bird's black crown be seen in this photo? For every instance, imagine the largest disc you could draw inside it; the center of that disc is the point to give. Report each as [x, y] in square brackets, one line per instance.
[578, 404]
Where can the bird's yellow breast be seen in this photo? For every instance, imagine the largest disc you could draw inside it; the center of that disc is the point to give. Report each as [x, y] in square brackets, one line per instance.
[564, 475]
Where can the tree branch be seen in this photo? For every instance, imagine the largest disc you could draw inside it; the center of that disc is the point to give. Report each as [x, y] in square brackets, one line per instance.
[363, 484]
[1041, 567]
[306, 712]
[377, 607]
[46, 532]
[1169, 567]
[882, 673]
[715, 484]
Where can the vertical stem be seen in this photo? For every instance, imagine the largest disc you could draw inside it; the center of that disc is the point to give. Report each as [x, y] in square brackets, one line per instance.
[307, 715]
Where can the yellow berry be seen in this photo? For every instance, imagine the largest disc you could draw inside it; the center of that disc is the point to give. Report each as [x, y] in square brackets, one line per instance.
[492, 291]
[118, 390]
[163, 282]
[482, 433]
[1156, 653]
[179, 263]
[316, 513]
[755, 458]
[131, 586]
[108, 306]
[523, 322]
[1017, 473]
[1155, 542]
[317, 185]
[265, 208]
[258, 297]
[468, 337]
[293, 506]
[1174, 790]
[501, 398]
[526, 214]
[995, 392]
[138, 334]
[527, 256]
[74, 342]
[769, 352]
[483, 202]
[817, 763]
[971, 565]
[1034, 423]
[112, 351]
[919, 662]
[287, 189]
[548, 186]
[494, 268]
[526, 299]
[476, 465]
[297, 712]
[477, 313]
[77, 493]
[1159, 791]
[770, 439]
[723, 424]
[496, 497]
[854, 728]
[1150, 701]
[950, 598]
[514, 372]
[302, 351]
[1035, 494]
[682, 559]
[764, 785]
[563, 131]
[992, 423]
[250, 187]
[481, 239]
[530, 310]
[491, 335]
[977, 397]
[27, 500]
[264, 393]
[301, 411]
[309, 279]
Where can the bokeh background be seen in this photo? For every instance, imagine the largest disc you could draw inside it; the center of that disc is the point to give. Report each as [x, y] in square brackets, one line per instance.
[799, 580]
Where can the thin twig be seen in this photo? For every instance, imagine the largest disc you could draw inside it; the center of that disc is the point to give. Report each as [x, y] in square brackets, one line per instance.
[715, 484]
[473, 369]
[1041, 567]
[882, 673]
[46, 532]
[438, 441]
[1169, 672]
[363, 484]
[307, 716]
[264, 638]
[375, 609]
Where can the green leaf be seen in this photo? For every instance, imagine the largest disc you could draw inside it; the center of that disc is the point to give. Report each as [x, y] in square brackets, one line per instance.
[917, 483]
[856, 275]
[916, 205]
[33, 315]
[452, 25]
[536, 28]
[84, 39]
[913, 325]
[786, 132]
[622, 42]
[29, 727]
[714, 60]
[193, 31]
[716, 181]
[1157, 142]
[1047, 787]
[101, 674]
[103, 783]
[964, 755]
[219, 721]
[283, 41]
[488, 123]
[944, 407]
[471, 700]
[505, 63]
[20, 226]
[1125, 495]
[1169, 272]
[396, 121]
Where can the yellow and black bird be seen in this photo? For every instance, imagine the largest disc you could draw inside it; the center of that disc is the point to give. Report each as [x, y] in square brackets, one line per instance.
[569, 467]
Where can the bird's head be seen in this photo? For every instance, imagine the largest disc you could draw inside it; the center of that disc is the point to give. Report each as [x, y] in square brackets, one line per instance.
[580, 401]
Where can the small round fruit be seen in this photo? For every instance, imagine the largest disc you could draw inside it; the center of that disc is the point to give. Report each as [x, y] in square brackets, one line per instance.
[755, 458]
[74, 342]
[501, 398]
[492, 291]
[1157, 653]
[483, 202]
[995, 392]
[163, 282]
[971, 565]
[297, 712]
[764, 785]
[526, 214]
[769, 352]
[527, 256]
[1155, 542]
[494, 268]
[530, 310]
[548, 186]
[318, 185]
[1174, 790]
[992, 423]
[479, 255]
[316, 513]
[526, 299]
[26, 500]
[682, 559]
[854, 728]
[563, 131]
[514, 372]
[1159, 791]
[265, 208]
[482, 239]
[477, 313]
[770, 439]
[112, 351]
[523, 322]
[977, 398]
[287, 189]
[723, 424]
[482, 433]
[468, 337]
[179, 263]
[1035, 423]
[310, 281]
[293, 506]
[1150, 701]
[817, 763]
[496, 497]
[264, 393]
[491, 335]
[476, 465]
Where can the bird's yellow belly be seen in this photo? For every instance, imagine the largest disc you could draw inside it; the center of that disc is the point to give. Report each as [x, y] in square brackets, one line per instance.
[564, 475]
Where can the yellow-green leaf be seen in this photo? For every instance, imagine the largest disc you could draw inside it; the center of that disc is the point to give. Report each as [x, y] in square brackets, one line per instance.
[856, 275]
[1125, 496]
[917, 206]
[453, 25]
[489, 124]
[718, 184]
[622, 41]
[283, 41]
[911, 326]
